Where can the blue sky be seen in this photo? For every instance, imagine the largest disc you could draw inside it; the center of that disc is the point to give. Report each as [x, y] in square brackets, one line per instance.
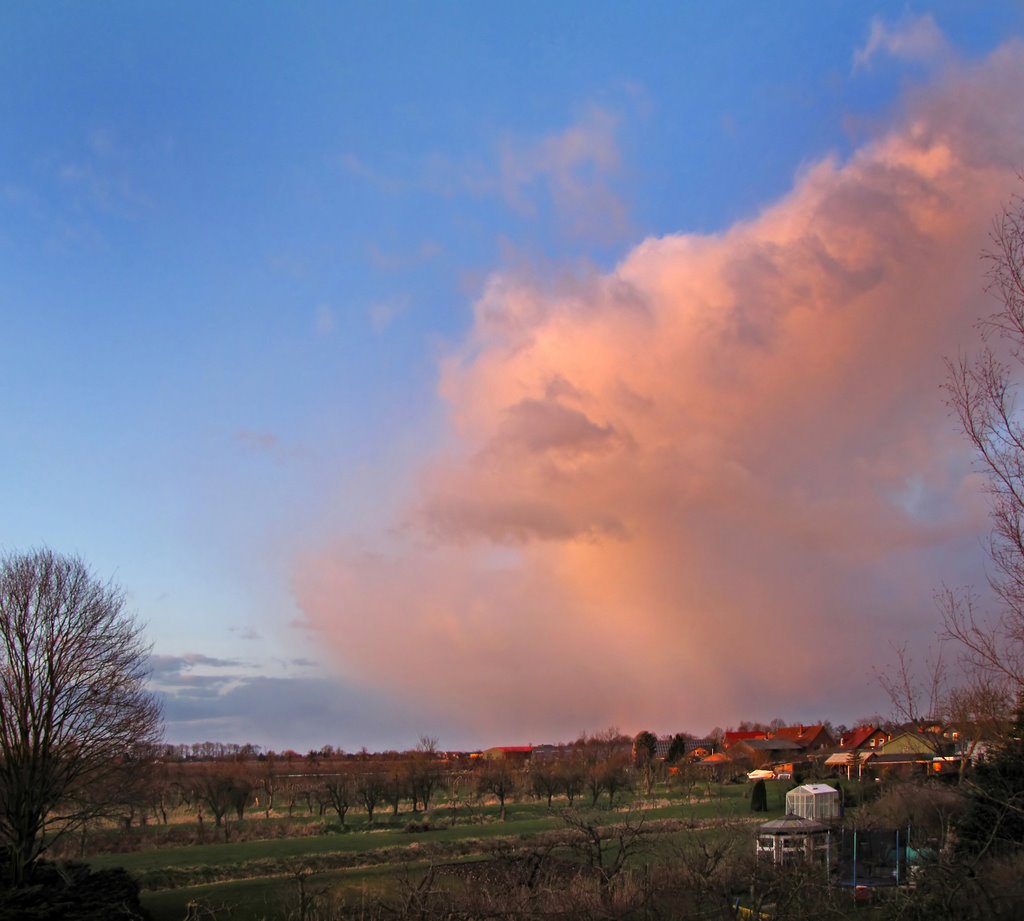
[239, 243]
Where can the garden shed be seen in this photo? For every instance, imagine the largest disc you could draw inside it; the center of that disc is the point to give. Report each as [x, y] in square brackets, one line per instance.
[813, 801]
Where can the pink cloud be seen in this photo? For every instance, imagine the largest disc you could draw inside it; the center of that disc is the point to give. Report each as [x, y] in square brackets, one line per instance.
[714, 482]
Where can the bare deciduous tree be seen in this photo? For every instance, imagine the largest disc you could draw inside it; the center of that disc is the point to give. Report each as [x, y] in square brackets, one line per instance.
[982, 391]
[371, 789]
[423, 772]
[706, 871]
[340, 793]
[606, 847]
[545, 780]
[915, 694]
[978, 709]
[573, 777]
[74, 709]
[498, 778]
[214, 786]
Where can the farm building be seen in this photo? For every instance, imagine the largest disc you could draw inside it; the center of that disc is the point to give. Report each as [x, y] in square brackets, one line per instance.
[813, 801]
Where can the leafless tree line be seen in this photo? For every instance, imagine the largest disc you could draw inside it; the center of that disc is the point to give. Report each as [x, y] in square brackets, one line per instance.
[224, 799]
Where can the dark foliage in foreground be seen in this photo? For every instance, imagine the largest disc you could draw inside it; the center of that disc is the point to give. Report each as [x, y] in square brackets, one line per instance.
[995, 815]
[71, 892]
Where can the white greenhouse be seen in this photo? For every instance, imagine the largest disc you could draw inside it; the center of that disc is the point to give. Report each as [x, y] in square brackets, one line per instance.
[813, 801]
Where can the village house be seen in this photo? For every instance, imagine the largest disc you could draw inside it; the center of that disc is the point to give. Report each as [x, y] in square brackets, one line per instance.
[765, 753]
[693, 749]
[814, 738]
[915, 748]
[732, 736]
[853, 748]
[782, 750]
[699, 748]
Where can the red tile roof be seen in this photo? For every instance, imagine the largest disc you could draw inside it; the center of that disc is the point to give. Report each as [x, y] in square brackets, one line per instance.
[734, 736]
[855, 738]
[806, 735]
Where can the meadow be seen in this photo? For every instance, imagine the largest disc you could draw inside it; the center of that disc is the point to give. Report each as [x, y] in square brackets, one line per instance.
[280, 876]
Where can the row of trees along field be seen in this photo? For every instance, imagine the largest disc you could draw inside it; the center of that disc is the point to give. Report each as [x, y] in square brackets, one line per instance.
[221, 792]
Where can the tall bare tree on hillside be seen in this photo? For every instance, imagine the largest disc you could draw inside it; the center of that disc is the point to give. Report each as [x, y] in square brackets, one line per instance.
[74, 711]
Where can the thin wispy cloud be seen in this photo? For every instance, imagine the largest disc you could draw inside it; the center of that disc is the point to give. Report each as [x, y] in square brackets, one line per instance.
[383, 313]
[324, 321]
[257, 440]
[574, 169]
[358, 168]
[104, 144]
[392, 262]
[100, 178]
[914, 38]
[163, 664]
[193, 674]
[570, 174]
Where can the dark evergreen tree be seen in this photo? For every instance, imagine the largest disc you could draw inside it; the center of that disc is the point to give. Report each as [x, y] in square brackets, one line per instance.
[759, 797]
[994, 819]
[677, 749]
[645, 745]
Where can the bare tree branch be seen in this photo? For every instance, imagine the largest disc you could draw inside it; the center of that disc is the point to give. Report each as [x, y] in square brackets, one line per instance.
[982, 392]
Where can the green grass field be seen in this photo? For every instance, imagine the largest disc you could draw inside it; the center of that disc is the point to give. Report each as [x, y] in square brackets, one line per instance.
[258, 879]
[271, 896]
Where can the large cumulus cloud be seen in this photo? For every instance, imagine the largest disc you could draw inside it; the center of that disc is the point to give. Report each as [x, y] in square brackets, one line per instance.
[714, 482]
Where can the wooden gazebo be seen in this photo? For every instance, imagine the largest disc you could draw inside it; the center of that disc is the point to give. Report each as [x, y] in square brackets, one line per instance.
[794, 838]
